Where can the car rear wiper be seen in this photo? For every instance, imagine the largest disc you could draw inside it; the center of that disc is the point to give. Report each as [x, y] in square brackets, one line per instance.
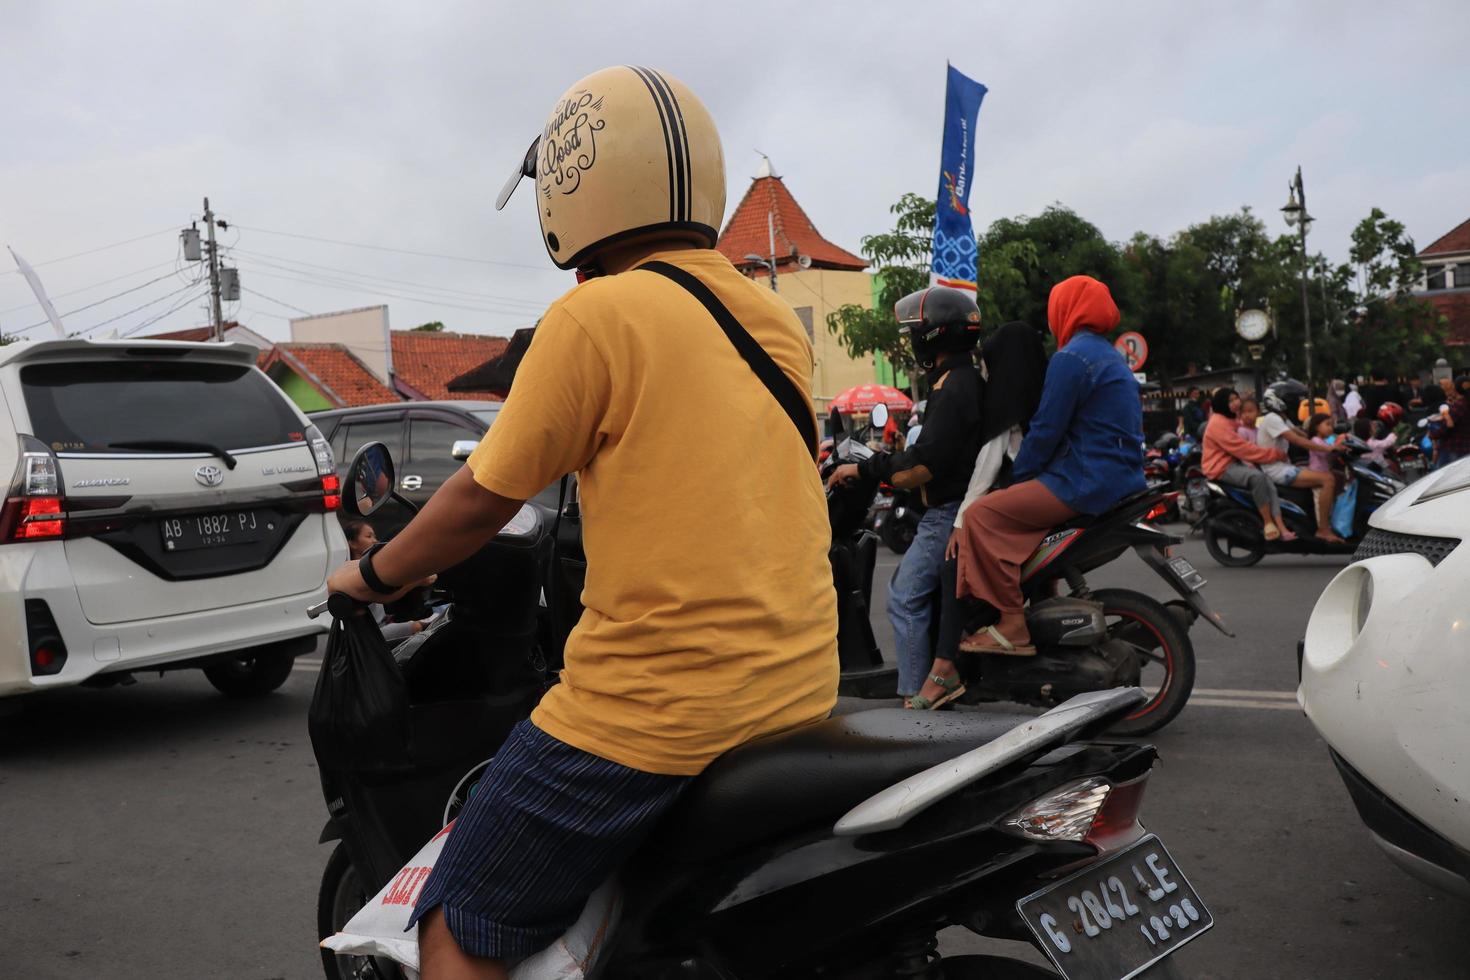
[183, 445]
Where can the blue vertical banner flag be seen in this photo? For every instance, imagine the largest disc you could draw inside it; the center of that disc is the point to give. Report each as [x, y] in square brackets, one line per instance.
[955, 252]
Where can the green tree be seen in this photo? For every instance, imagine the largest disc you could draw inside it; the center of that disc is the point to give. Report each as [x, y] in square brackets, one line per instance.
[900, 258]
[1389, 329]
[433, 326]
[1022, 258]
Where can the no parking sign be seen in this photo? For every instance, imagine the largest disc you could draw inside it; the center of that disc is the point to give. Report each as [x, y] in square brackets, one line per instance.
[1133, 348]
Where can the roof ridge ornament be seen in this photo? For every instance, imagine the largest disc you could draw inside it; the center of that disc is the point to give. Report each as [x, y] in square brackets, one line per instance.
[766, 169]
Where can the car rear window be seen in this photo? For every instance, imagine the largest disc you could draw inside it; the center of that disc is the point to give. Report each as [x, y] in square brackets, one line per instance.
[92, 406]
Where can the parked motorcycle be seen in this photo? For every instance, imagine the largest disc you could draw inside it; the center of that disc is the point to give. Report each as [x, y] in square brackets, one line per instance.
[836, 850]
[1086, 640]
[1233, 529]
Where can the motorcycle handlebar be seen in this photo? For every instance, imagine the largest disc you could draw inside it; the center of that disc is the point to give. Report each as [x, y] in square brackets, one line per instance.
[339, 604]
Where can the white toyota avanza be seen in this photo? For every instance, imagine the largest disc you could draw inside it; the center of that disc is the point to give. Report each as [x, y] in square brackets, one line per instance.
[170, 507]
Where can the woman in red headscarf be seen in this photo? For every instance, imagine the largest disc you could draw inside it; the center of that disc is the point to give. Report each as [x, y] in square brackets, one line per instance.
[1082, 454]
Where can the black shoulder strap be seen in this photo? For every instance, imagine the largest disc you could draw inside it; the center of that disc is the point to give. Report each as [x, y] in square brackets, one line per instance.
[768, 371]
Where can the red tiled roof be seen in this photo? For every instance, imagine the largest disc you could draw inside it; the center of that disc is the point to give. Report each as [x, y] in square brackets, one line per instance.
[193, 333]
[333, 371]
[425, 362]
[1455, 307]
[748, 232]
[1456, 240]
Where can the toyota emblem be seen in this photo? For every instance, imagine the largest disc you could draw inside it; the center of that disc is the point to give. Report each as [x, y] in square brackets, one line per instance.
[209, 475]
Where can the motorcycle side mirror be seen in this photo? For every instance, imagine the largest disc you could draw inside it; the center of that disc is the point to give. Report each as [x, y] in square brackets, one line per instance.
[462, 449]
[369, 480]
[880, 415]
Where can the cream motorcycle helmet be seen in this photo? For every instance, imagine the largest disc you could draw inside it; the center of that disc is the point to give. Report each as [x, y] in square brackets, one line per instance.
[627, 153]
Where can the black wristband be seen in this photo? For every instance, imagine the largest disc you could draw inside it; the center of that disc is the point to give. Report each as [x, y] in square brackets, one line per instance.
[370, 576]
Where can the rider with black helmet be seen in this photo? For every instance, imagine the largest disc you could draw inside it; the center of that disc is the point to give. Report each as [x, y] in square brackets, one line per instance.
[943, 327]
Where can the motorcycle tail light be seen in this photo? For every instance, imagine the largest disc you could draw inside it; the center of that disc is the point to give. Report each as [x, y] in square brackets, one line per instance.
[1116, 824]
[1093, 810]
[1064, 815]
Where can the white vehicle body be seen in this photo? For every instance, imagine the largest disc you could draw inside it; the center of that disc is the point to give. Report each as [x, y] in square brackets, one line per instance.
[1386, 677]
[117, 558]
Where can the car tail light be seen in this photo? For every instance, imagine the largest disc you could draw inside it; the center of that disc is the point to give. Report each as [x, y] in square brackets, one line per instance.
[48, 652]
[321, 450]
[34, 509]
[1093, 810]
[331, 492]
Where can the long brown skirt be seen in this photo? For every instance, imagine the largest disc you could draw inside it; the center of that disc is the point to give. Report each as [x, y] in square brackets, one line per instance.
[1000, 532]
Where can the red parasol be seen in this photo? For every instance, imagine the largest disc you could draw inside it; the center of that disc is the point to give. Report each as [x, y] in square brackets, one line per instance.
[864, 397]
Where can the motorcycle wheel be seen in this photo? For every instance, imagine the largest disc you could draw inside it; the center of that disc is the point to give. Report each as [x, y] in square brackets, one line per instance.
[339, 899]
[897, 534]
[1234, 539]
[1167, 670]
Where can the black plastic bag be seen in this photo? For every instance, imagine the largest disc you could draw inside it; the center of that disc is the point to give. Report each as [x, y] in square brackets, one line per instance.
[359, 715]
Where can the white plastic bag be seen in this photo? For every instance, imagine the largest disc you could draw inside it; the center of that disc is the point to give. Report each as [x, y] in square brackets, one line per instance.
[378, 928]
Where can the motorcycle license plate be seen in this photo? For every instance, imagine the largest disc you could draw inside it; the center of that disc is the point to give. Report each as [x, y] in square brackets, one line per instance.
[1116, 918]
[1187, 573]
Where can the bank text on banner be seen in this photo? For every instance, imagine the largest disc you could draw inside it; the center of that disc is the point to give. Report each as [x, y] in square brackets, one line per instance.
[954, 235]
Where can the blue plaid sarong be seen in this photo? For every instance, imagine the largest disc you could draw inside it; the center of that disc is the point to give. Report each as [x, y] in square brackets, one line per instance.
[546, 825]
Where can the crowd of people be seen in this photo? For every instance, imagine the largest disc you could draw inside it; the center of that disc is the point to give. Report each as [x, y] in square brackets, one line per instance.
[1246, 439]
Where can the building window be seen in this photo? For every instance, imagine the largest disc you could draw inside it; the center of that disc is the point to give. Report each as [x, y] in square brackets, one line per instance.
[1462, 275]
[804, 314]
[1435, 277]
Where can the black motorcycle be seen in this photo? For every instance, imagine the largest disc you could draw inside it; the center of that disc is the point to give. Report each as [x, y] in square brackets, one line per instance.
[838, 850]
[1086, 640]
[1234, 532]
[894, 517]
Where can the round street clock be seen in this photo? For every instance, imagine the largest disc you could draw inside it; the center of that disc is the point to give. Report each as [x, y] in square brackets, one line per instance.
[1252, 325]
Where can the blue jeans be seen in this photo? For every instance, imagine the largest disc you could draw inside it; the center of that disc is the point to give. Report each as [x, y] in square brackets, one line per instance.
[911, 596]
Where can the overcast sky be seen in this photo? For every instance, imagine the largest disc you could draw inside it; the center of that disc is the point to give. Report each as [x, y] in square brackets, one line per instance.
[394, 125]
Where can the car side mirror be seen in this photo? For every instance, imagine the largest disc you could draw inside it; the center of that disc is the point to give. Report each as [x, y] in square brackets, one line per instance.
[370, 480]
[462, 448]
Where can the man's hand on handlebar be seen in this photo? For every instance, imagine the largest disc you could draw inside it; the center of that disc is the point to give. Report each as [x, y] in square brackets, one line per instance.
[348, 580]
[845, 473]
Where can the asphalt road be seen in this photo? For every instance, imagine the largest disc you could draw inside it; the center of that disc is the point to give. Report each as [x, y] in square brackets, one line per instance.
[159, 831]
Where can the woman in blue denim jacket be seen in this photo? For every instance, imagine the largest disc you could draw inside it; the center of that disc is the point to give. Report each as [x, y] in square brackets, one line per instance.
[1082, 454]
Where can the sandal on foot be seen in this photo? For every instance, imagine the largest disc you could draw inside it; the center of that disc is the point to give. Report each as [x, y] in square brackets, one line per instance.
[953, 688]
[1271, 533]
[976, 643]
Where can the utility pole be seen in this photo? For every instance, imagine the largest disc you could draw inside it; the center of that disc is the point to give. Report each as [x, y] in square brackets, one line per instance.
[219, 328]
[771, 228]
[1296, 214]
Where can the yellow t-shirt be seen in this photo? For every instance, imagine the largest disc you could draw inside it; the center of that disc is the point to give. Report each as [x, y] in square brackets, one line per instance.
[710, 616]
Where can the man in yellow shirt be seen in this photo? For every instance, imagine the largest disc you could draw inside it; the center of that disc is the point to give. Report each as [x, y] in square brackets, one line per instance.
[710, 616]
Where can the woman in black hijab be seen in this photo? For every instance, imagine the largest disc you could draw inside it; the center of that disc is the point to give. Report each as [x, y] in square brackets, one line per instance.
[1014, 366]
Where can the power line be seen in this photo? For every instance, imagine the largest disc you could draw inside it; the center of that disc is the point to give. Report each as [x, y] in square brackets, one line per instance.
[358, 288]
[151, 302]
[400, 251]
[172, 309]
[109, 299]
[535, 304]
[288, 306]
[425, 296]
[90, 251]
[83, 289]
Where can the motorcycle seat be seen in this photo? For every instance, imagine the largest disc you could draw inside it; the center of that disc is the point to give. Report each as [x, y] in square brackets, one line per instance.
[1130, 501]
[800, 780]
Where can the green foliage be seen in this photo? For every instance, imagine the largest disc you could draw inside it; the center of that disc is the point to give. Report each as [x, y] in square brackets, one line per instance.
[433, 326]
[1182, 293]
[901, 262]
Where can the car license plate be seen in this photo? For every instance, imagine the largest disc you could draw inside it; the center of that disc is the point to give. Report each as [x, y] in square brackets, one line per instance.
[1187, 573]
[1118, 917]
[215, 530]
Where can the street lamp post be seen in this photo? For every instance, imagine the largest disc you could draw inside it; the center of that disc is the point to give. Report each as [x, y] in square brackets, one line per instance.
[1295, 212]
